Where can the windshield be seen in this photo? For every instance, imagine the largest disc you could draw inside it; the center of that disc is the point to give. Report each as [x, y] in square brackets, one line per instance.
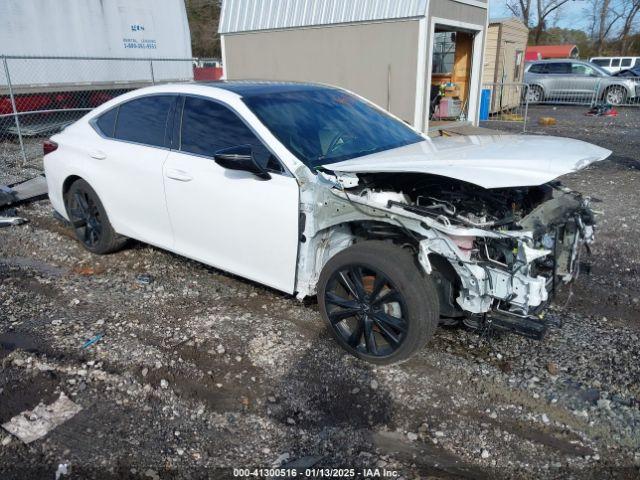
[324, 125]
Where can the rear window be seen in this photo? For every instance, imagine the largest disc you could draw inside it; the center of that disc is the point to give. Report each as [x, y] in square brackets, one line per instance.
[144, 120]
[603, 62]
[538, 68]
[106, 122]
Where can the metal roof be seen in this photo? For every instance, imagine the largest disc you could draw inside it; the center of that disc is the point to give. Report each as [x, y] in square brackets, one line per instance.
[251, 15]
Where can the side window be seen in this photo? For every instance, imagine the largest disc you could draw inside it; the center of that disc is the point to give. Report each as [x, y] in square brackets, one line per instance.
[580, 69]
[615, 62]
[637, 64]
[208, 127]
[603, 62]
[626, 62]
[144, 120]
[106, 122]
[559, 68]
[538, 68]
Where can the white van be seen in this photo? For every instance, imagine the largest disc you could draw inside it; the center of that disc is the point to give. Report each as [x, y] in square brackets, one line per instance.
[615, 64]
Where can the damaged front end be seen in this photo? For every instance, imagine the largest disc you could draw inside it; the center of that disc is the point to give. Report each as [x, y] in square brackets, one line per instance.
[495, 255]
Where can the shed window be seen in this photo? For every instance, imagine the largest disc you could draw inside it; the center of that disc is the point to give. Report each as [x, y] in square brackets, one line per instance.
[444, 50]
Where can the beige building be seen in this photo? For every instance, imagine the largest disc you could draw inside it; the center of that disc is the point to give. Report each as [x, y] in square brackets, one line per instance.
[504, 62]
[396, 53]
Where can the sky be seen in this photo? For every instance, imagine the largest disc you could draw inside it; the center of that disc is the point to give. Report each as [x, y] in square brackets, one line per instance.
[572, 15]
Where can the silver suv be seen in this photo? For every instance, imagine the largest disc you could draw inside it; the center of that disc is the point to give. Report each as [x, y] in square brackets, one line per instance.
[573, 81]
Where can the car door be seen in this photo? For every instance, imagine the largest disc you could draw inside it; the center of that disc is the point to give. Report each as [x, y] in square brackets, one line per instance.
[231, 219]
[559, 81]
[128, 160]
[585, 80]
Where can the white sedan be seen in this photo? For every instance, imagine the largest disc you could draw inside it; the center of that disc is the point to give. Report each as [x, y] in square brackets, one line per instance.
[312, 190]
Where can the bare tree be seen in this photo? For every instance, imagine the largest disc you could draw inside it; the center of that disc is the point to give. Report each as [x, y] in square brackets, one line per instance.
[544, 9]
[632, 8]
[605, 14]
[535, 13]
[520, 9]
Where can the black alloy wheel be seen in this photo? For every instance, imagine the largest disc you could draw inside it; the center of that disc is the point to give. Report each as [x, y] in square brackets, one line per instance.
[85, 218]
[366, 310]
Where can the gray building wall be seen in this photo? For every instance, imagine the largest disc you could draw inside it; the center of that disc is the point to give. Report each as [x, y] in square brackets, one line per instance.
[375, 60]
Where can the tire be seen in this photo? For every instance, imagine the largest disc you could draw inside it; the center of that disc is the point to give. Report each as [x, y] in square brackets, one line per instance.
[535, 94]
[89, 219]
[615, 95]
[393, 300]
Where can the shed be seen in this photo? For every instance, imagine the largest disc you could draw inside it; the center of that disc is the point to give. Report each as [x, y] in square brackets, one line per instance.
[552, 51]
[504, 62]
[419, 59]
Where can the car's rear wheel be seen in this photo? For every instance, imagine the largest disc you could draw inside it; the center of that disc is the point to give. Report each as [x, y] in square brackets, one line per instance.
[615, 95]
[89, 219]
[377, 302]
[535, 94]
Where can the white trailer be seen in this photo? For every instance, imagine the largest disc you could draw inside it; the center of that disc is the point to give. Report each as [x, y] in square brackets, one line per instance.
[101, 29]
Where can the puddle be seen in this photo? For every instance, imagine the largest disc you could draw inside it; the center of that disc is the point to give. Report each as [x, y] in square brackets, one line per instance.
[38, 265]
[11, 341]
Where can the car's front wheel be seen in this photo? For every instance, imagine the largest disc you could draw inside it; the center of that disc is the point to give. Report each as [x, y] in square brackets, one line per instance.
[89, 219]
[377, 302]
[615, 95]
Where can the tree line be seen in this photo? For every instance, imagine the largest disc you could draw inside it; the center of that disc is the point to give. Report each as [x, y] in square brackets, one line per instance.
[612, 27]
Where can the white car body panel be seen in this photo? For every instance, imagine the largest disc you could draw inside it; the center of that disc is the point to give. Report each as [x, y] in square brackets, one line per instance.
[236, 222]
[233, 220]
[488, 161]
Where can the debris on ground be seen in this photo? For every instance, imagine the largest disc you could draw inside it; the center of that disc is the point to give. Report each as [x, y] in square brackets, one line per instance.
[602, 110]
[30, 190]
[11, 221]
[144, 279]
[92, 340]
[33, 424]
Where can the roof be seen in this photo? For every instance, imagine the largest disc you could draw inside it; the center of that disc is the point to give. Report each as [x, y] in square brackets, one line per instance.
[553, 51]
[247, 88]
[495, 21]
[250, 15]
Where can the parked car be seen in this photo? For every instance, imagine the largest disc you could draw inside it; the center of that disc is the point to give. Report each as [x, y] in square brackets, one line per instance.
[312, 190]
[576, 81]
[630, 72]
[616, 64]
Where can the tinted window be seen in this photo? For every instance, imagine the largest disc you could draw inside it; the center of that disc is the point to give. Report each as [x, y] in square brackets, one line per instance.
[615, 62]
[325, 125]
[558, 68]
[626, 62]
[107, 122]
[144, 120]
[603, 62]
[538, 68]
[208, 127]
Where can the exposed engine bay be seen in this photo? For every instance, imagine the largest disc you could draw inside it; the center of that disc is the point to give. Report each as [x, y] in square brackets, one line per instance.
[495, 254]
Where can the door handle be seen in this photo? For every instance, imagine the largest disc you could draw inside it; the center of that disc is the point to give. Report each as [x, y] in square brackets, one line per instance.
[98, 155]
[179, 175]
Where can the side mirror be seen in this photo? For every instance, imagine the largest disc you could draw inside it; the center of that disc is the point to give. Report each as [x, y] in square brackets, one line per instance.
[240, 158]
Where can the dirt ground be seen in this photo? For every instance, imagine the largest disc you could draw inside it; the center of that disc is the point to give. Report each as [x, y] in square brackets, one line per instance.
[199, 372]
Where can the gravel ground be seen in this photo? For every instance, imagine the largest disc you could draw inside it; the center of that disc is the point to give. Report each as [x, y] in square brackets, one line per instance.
[199, 372]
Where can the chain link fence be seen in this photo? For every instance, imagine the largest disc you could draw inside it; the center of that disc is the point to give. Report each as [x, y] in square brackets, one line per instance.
[505, 102]
[584, 90]
[39, 96]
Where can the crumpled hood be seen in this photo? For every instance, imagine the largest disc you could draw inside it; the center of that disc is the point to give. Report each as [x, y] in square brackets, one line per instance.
[490, 161]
